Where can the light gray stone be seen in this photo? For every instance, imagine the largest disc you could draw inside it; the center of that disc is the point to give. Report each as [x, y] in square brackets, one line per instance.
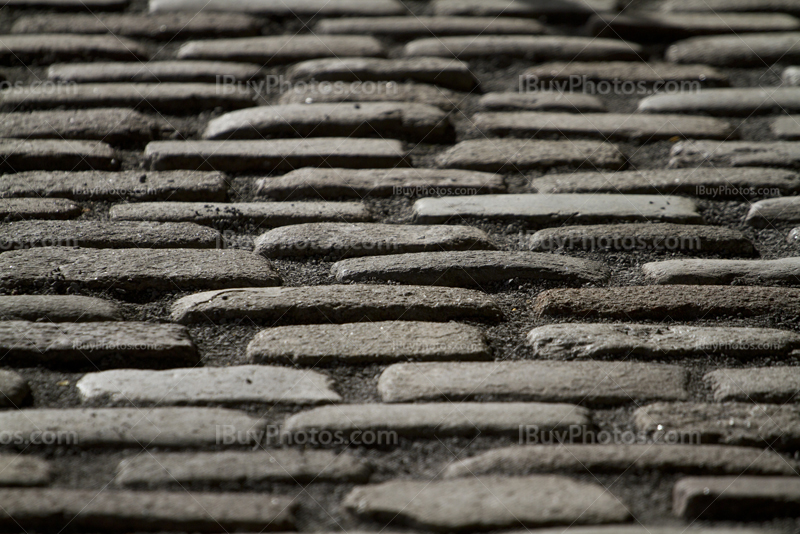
[417, 122]
[49, 48]
[219, 468]
[791, 75]
[786, 128]
[56, 154]
[379, 92]
[642, 128]
[763, 384]
[488, 503]
[735, 154]
[57, 309]
[774, 212]
[155, 72]
[93, 510]
[650, 529]
[572, 9]
[373, 342]
[202, 385]
[13, 391]
[343, 240]
[634, 237]
[736, 101]
[335, 304]
[570, 75]
[515, 155]
[135, 269]
[736, 498]
[37, 208]
[551, 210]
[282, 49]
[603, 383]
[411, 27]
[261, 214]
[470, 268]
[111, 125]
[794, 236]
[724, 272]
[176, 186]
[281, 8]
[275, 154]
[327, 184]
[68, 5]
[591, 458]
[544, 101]
[19, 470]
[740, 51]
[785, 6]
[568, 341]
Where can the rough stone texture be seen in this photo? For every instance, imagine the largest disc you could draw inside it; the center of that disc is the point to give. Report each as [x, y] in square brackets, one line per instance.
[49, 48]
[766, 384]
[281, 8]
[439, 419]
[170, 98]
[336, 304]
[412, 27]
[57, 309]
[349, 183]
[166, 26]
[13, 391]
[740, 102]
[785, 6]
[37, 208]
[418, 122]
[577, 9]
[176, 186]
[633, 237]
[649, 529]
[18, 470]
[567, 102]
[343, 240]
[641, 128]
[735, 154]
[101, 234]
[774, 211]
[551, 210]
[604, 383]
[574, 74]
[93, 510]
[508, 155]
[65, 343]
[619, 458]
[708, 182]
[736, 498]
[380, 92]
[136, 269]
[442, 72]
[740, 51]
[487, 503]
[658, 342]
[533, 48]
[261, 214]
[374, 342]
[791, 75]
[282, 49]
[470, 268]
[730, 423]
[275, 154]
[112, 125]
[723, 272]
[220, 468]
[669, 302]
[68, 5]
[202, 385]
[55, 154]
[786, 128]
[154, 72]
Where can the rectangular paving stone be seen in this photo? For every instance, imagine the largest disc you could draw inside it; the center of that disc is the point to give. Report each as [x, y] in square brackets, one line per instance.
[551, 210]
[67, 5]
[144, 511]
[593, 383]
[740, 51]
[791, 76]
[373, 342]
[634, 237]
[202, 385]
[786, 128]
[261, 214]
[329, 184]
[281, 8]
[587, 458]
[726, 102]
[568, 341]
[577, 9]
[545, 101]
[335, 304]
[282, 49]
[233, 467]
[411, 27]
[729, 424]
[35, 343]
[785, 6]
[735, 154]
[774, 211]
[736, 498]
[763, 384]
[442, 72]
[101, 234]
[50, 48]
[390, 91]
[18, 470]
[565, 76]
[470, 268]
[677, 303]
[135, 269]
[343, 240]
[176, 186]
[641, 128]
[417, 122]
[56, 154]
[507, 155]
[723, 272]
[57, 308]
[157, 72]
[705, 182]
[12, 209]
[275, 154]
[487, 503]
[532, 48]
[111, 125]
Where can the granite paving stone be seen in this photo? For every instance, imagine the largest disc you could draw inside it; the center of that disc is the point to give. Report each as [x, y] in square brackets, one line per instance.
[156, 72]
[735, 498]
[111, 125]
[14, 209]
[50, 48]
[545, 101]
[693, 154]
[774, 212]
[742, 102]
[740, 51]
[783, 271]
[762, 384]
[56, 154]
[57, 308]
[280, 8]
